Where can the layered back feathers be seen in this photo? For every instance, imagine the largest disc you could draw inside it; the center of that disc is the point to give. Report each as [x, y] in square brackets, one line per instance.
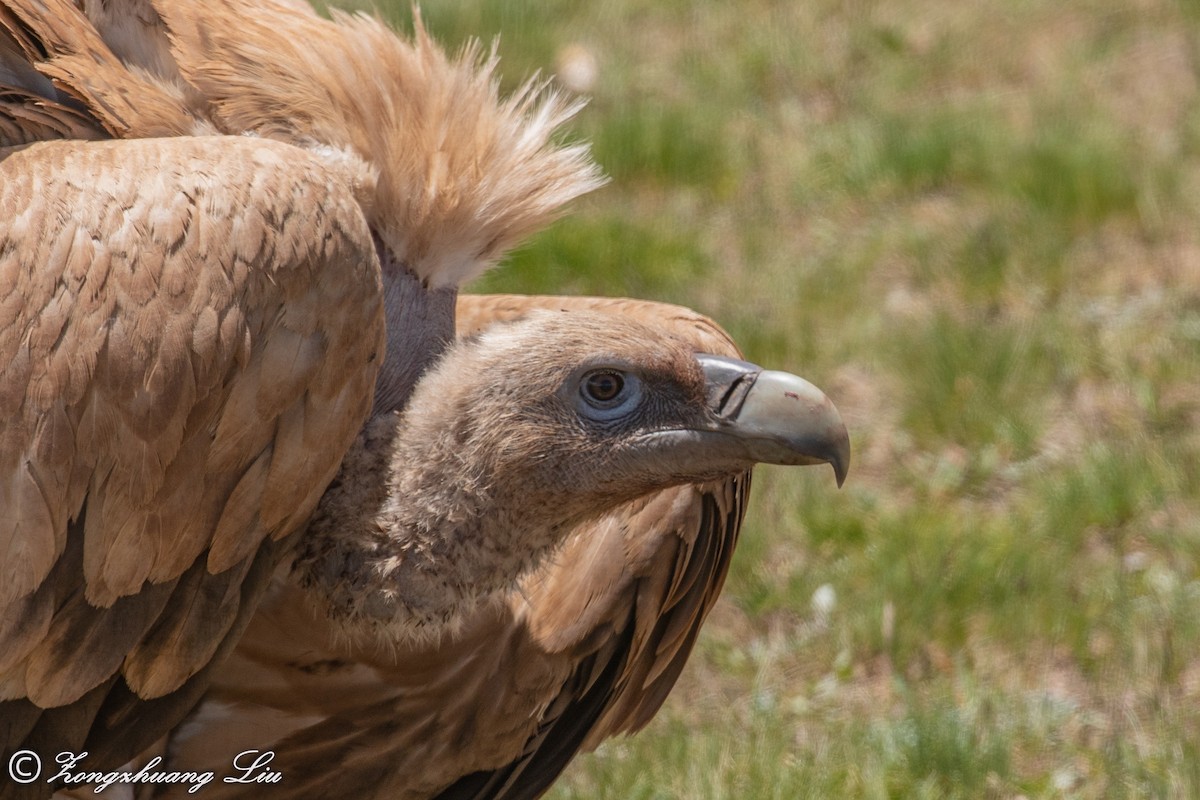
[462, 173]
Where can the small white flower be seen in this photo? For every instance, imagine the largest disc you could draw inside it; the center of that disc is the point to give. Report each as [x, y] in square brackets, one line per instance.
[824, 600]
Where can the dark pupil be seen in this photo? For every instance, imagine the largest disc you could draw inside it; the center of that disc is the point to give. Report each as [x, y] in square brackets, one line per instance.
[605, 386]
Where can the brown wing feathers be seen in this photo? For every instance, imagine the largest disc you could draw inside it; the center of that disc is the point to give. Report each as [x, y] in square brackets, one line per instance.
[141, 334]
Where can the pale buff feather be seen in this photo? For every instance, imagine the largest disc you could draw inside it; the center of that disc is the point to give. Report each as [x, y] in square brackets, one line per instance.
[463, 173]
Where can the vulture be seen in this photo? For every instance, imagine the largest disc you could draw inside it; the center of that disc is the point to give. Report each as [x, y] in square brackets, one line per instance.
[268, 484]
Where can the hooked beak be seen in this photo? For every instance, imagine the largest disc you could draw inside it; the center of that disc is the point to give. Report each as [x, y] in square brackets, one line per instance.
[775, 417]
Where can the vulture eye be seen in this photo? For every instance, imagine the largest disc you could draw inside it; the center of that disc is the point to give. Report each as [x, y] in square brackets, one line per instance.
[608, 393]
[603, 387]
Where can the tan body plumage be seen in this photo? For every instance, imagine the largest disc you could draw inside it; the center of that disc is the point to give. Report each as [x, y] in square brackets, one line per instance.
[193, 331]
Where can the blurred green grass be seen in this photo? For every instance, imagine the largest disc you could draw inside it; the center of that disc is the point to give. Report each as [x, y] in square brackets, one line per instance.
[975, 225]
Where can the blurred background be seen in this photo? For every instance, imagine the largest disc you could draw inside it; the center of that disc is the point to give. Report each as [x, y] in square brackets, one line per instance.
[974, 224]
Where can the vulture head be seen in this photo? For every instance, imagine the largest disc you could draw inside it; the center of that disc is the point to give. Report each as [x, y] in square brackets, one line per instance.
[521, 433]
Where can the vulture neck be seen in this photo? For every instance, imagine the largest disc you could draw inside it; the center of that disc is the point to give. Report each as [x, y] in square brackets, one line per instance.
[420, 325]
[411, 538]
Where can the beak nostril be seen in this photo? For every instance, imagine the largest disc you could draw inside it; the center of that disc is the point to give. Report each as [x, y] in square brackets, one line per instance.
[731, 401]
[729, 382]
